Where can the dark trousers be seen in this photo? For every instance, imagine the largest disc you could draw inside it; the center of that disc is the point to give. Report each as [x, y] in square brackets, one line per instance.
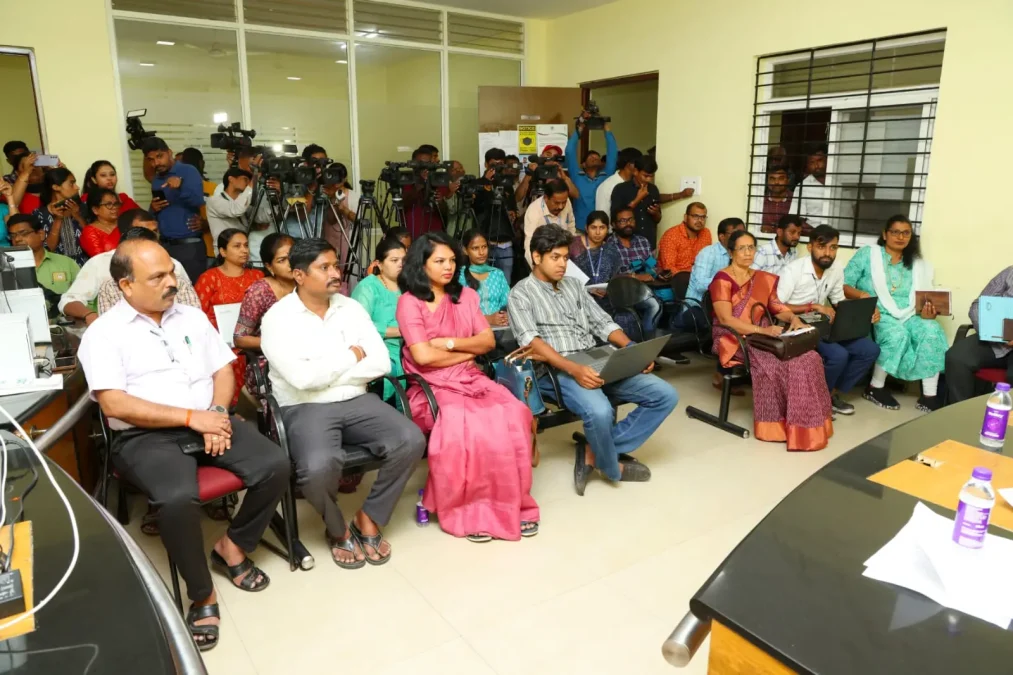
[847, 362]
[966, 357]
[151, 460]
[316, 434]
[191, 254]
[691, 320]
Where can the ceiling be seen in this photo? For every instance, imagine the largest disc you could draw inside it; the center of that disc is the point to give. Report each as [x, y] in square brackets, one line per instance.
[527, 9]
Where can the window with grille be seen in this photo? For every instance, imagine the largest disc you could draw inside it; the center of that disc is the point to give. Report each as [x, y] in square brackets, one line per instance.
[479, 32]
[219, 10]
[842, 135]
[397, 22]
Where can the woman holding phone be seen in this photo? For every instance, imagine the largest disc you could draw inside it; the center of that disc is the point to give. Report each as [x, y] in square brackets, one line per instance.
[60, 214]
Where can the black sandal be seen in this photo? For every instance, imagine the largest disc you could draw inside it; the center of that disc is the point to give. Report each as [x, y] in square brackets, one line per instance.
[149, 523]
[373, 541]
[346, 544]
[209, 633]
[249, 582]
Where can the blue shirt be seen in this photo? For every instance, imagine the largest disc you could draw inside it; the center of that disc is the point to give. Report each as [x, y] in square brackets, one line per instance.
[4, 239]
[184, 201]
[587, 186]
[709, 261]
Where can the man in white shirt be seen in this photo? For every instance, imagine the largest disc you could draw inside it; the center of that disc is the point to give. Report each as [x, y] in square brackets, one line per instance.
[781, 250]
[323, 350]
[812, 285]
[624, 172]
[552, 208]
[79, 302]
[163, 376]
[227, 207]
[812, 196]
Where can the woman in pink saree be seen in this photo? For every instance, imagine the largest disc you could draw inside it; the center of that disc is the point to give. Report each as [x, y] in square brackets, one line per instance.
[480, 442]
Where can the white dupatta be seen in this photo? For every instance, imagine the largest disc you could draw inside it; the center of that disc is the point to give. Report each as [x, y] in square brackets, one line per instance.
[922, 281]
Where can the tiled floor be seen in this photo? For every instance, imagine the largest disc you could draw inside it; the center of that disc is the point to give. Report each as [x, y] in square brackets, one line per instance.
[597, 591]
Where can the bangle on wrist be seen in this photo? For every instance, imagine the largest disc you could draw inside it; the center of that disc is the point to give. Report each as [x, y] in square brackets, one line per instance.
[189, 413]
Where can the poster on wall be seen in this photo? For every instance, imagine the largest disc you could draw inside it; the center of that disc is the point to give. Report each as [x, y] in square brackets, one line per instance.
[527, 139]
[552, 134]
[504, 140]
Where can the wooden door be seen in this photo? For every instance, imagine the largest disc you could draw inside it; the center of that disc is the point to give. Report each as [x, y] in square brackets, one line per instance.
[503, 108]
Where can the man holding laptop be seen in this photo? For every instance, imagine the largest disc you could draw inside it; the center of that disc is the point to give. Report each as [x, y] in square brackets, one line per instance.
[811, 285]
[992, 316]
[559, 320]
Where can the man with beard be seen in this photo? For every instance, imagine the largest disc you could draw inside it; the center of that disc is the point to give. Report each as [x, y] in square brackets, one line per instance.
[779, 251]
[681, 244]
[636, 260]
[776, 199]
[812, 196]
[812, 285]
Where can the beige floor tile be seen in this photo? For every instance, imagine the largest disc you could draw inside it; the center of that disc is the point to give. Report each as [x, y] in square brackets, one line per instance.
[230, 656]
[451, 658]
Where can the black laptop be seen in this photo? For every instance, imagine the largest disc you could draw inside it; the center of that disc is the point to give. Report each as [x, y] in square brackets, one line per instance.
[853, 319]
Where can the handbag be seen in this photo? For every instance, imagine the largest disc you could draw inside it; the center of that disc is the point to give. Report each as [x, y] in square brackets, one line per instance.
[516, 372]
[821, 322]
[784, 347]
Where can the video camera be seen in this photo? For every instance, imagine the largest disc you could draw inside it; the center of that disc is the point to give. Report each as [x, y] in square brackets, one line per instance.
[594, 121]
[231, 137]
[505, 174]
[290, 169]
[399, 174]
[135, 130]
[469, 186]
[546, 170]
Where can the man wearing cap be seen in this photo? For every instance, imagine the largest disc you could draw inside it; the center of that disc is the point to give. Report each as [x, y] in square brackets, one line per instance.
[183, 189]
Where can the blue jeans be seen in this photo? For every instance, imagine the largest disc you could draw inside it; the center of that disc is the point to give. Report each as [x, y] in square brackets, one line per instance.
[503, 259]
[846, 362]
[649, 311]
[654, 397]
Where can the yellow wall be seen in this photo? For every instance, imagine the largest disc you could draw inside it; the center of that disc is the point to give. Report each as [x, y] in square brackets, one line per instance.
[634, 112]
[706, 50]
[74, 58]
[19, 120]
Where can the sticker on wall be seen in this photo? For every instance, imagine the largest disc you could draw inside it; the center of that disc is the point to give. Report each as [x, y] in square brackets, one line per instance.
[527, 139]
[531, 118]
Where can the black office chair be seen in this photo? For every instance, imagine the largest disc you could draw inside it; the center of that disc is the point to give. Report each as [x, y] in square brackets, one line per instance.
[730, 377]
[699, 339]
[624, 293]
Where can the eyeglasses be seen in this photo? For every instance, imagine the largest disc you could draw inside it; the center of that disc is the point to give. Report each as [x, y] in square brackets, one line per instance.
[20, 234]
[697, 216]
[745, 249]
[111, 205]
[625, 221]
[900, 234]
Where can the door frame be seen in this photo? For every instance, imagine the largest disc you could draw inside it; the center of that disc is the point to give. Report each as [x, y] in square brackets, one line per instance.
[586, 87]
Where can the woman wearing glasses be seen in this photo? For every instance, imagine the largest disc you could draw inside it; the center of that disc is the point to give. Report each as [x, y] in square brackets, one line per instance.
[791, 402]
[101, 233]
[102, 174]
[912, 344]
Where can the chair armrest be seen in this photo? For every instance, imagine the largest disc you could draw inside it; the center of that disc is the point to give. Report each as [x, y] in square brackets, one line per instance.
[259, 373]
[426, 390]
[963, 331]
[742, 344]
[279, 424]
[400, 394]
[557, 393]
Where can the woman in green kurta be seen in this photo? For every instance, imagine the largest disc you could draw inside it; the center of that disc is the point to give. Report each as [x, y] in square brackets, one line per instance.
[378, 293]
[912, 344]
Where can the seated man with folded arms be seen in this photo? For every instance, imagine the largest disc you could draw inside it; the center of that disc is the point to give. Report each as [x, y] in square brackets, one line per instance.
[163, 376]
[322, 350]
[81, 299]
[970, 354]
[811, 285]
[556, 316]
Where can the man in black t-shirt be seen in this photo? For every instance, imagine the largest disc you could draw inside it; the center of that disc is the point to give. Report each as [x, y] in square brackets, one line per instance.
[496, 220]
[641, 195]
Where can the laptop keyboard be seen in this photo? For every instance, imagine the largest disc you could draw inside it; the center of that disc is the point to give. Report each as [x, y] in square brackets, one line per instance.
[599, 357]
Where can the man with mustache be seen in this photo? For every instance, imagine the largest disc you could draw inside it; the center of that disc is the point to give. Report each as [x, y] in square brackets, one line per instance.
[811, 285]
[163, 376]
[323, 350]
[781, 250]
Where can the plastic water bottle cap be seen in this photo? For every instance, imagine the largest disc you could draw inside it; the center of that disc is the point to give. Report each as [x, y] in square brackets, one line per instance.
[1002, 386]
[981, 473]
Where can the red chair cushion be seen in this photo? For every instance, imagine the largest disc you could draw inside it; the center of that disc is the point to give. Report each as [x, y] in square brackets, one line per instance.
[214, 483]
[994, 375]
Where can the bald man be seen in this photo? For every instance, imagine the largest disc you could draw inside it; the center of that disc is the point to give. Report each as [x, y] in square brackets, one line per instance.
[163, 376]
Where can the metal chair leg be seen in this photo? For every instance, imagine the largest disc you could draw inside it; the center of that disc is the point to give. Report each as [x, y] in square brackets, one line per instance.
[122, 512]
[176, 593]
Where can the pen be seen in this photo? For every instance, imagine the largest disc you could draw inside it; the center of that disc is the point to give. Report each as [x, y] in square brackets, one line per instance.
[189, 345]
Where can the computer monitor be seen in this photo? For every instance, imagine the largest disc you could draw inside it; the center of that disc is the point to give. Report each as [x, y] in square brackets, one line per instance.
[17, 268]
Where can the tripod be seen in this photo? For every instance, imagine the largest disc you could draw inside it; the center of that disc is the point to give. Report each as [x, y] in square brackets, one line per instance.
[365, 235]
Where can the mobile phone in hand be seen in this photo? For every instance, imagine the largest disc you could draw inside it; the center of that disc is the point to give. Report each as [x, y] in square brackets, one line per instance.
[158, 194]
[47, 160]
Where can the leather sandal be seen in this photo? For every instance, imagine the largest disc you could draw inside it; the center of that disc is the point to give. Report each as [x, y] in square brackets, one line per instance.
[373, 542]
[346, 544]
[532, 529]
[249, 582]
[209, 633]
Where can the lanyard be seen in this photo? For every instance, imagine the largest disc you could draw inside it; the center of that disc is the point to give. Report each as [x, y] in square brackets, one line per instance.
[594, 267]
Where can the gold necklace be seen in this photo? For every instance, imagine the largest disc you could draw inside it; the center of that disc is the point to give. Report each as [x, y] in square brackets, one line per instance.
[383, 280]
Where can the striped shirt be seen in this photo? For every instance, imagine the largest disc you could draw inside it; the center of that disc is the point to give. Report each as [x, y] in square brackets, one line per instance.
[565, 316]
[770, 259]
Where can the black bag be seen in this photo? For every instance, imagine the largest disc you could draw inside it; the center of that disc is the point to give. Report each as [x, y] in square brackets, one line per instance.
[784, 347]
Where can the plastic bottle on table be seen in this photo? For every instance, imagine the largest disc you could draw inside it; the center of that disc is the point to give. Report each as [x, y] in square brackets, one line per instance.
[974, 508]
[993, 429]
[421, 513]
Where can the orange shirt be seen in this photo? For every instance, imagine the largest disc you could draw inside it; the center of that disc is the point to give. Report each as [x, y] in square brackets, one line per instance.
[677, 251]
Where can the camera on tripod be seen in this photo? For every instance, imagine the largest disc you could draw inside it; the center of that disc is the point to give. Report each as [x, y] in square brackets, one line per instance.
[399, 174]
[135, 130]
[291, 170]
[504, 175]
[548, 168]
[231, 137]
[438, 173]
[594, 121]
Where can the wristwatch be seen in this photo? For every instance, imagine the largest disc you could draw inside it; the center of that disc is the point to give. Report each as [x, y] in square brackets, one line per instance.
[219, 409]
[450, 345]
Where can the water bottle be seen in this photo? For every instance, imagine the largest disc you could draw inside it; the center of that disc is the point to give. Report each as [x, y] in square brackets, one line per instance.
[993, 429]
[421, 513]
[976, 501]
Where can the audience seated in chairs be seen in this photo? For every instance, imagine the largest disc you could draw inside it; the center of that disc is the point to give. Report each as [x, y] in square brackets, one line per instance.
[110, 293]
[480, 444]
[401, 234]
[636, 260]
[323, 349]
[680, 244]
[163, 376]
[708, 262]
[970, 354]
[489, 282]
[811, 285]
[912, 343]
[554, 315]
[378, 293]
[790, 398]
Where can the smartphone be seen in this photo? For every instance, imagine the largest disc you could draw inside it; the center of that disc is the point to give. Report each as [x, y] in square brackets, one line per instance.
[158, 194]
[47, 160]
[60, 204]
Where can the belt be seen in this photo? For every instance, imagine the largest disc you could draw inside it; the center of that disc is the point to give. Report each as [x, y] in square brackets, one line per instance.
[168, 241]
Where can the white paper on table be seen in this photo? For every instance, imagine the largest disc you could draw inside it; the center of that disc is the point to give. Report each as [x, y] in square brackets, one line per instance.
[924, 558]
[573, 271]
[1007, 494]
[552, 134]
[226, 316]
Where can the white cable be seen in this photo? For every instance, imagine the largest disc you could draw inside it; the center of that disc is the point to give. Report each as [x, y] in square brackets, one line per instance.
[70, 513]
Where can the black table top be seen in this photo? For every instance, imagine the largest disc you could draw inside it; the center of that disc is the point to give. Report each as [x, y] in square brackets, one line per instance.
[794, 585]
[104, 619]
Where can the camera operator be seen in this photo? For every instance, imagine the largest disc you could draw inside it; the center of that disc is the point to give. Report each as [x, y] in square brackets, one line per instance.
[416, 219]
[549, 152]
[497, 222]
[552, 208]
[588, 180]
[183, 190]
[227, 208]
[454, 203]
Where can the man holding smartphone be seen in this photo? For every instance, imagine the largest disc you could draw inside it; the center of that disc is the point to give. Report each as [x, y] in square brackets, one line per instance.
[177, 195]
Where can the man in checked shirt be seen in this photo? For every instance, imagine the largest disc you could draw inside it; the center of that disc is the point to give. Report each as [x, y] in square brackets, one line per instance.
[970, 354]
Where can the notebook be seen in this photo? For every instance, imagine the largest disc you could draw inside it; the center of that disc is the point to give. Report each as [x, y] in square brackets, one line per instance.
[939, 297]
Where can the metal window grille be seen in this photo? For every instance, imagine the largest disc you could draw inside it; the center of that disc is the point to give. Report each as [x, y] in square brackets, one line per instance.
[397, 22]
[868, 110]
[321, 15]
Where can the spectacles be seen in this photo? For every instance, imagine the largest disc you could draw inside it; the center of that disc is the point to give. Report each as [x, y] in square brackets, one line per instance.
[697, 216]
[625, 221]
[900, 234]
[745, 249]
[21, 234]
[111, 205]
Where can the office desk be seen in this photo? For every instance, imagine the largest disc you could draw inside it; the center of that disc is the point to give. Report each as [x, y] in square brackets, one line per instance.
[114, 614]
[791, 597]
